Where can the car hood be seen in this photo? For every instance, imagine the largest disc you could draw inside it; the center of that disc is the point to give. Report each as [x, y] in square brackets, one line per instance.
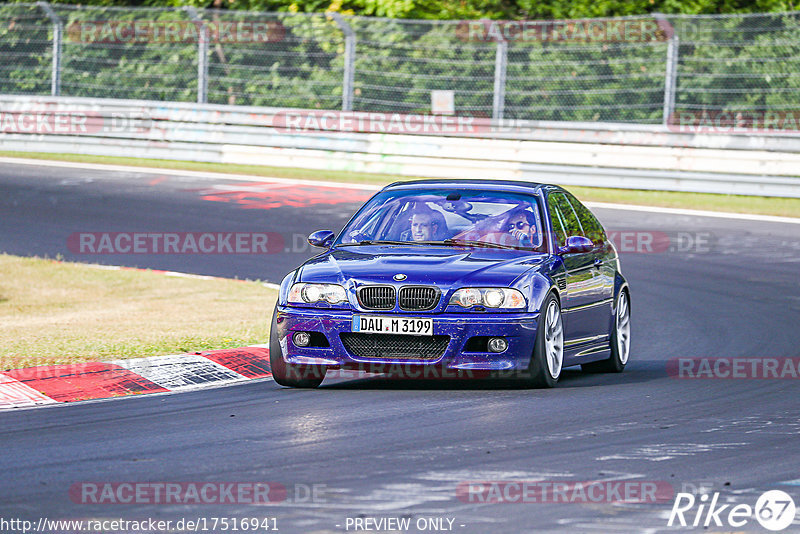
[431, 265]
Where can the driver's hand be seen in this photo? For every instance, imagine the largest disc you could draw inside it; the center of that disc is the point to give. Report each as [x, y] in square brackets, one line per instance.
[519, 234]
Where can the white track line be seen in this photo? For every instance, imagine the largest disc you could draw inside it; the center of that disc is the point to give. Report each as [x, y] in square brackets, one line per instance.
[368, 187]
[178, 172]
[696, 213]
[268, 285]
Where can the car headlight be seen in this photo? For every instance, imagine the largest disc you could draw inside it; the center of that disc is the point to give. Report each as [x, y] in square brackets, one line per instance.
[491, 297]
[311, 293]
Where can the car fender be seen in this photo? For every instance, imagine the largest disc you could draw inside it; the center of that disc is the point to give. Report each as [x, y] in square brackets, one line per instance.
[619, 284]
[536, 286]
[545, 281]
[286, 284]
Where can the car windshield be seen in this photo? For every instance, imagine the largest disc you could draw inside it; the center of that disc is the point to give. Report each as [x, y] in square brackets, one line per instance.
[453, 217]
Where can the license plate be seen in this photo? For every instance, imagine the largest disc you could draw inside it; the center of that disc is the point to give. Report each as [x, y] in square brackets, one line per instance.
[374, 324]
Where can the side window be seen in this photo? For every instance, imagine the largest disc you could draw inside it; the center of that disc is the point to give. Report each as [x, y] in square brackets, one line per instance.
[557, 220]
[591, 226]
[572, 225]
[367, 229]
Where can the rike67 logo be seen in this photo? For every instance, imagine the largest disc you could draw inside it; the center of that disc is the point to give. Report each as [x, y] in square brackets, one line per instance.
[774, 510]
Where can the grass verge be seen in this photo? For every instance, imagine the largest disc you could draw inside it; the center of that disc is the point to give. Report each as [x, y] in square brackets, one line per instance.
[55, 313]
[786, 207]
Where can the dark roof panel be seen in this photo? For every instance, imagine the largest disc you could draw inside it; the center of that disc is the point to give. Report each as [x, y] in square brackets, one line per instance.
[471, 183]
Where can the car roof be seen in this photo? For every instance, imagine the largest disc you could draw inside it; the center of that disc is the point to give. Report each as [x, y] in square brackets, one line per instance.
[492, 185]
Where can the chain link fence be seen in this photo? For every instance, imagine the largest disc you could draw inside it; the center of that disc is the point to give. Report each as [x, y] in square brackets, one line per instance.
[635, 69]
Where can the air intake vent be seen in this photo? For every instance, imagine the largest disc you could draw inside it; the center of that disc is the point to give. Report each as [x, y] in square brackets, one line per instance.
[394, 346]
[418, 298]
[376, 297]
[562, 284]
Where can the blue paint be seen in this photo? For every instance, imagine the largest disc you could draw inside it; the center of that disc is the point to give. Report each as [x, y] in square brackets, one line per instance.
[589, 280]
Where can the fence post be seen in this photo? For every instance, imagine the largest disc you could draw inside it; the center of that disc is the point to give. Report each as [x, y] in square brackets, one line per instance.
[202, 55]
[500, 61]
[671, 70]
[58, 32]
[349, 60]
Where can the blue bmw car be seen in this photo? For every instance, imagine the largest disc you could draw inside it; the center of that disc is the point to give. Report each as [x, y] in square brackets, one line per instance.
[456, 278]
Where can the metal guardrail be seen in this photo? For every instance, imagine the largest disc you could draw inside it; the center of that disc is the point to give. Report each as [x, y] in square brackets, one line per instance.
[590, 154]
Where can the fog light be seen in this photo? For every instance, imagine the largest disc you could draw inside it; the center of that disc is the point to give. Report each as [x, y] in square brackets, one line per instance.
[497, 344]
[301, 339]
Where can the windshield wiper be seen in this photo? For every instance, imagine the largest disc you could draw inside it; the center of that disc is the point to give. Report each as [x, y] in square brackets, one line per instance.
[446, 242]
[378, 242]
[465, 242]
[473, 243]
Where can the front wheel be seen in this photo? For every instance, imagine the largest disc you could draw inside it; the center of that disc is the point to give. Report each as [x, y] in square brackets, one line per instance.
[620, 342]
[288, 374]
[548, 351]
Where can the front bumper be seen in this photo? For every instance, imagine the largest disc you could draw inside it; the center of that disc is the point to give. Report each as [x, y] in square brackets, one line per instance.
[519, 329]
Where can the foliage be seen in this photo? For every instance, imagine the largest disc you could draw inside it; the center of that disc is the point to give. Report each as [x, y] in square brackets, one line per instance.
[733, 62]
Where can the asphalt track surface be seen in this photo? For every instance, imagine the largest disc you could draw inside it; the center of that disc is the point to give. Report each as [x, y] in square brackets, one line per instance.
[392, 448]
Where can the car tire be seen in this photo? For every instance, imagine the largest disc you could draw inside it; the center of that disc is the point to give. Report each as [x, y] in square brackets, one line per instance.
[620, 340]
[287, 374]
[547, 360]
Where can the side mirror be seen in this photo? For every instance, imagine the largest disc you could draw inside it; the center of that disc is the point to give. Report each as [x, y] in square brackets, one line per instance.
[576, 244]
[321, 238]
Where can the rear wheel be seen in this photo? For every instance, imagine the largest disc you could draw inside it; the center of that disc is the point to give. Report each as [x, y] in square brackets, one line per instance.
[548, 352]
[287, 374]
[620, 342]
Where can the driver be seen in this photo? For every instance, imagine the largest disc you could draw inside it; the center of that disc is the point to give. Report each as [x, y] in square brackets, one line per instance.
[521, 226]
[423, 226]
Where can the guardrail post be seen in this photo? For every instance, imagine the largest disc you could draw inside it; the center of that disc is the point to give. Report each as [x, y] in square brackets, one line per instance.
[349, 60]
[58, 32]
[500, 61]
[671, 70]
[202, 55]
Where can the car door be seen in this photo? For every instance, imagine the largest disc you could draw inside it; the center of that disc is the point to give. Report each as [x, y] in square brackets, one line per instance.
[604, 257]
[584, 285]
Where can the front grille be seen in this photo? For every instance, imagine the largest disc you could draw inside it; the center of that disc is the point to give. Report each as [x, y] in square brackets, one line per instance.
[418, 298]
[394, 346]
[376, 297]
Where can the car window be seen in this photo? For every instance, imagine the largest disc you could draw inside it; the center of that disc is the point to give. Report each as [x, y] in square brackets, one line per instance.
[591, 226]
[572, 225]
[557, 221]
